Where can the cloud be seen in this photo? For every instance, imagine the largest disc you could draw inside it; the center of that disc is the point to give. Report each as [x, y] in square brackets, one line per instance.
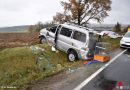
[20, 12]
[13, 5]
[120, 12]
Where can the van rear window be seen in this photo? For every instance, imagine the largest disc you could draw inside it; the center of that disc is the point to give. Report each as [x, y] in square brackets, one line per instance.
[79, 36]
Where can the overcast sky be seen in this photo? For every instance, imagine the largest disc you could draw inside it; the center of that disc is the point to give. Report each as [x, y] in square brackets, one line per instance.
[27, 12]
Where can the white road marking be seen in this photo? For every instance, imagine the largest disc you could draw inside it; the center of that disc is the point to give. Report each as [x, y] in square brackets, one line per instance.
[86, 81]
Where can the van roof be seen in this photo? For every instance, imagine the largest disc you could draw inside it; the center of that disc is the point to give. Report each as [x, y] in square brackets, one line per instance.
[78, 28]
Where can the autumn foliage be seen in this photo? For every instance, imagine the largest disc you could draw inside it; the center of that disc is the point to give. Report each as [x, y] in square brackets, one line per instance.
[82, 11]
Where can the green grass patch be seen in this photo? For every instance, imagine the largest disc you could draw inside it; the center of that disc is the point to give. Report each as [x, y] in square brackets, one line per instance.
[115, 43]
[18, 65]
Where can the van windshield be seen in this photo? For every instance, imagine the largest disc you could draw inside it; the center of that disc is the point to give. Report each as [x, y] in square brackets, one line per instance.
[127, 34]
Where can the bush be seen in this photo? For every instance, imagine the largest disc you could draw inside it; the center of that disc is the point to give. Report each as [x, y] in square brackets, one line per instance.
[37, 27]
[117, 27]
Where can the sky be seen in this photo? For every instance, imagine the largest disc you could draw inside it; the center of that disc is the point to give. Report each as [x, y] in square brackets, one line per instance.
[29, 12]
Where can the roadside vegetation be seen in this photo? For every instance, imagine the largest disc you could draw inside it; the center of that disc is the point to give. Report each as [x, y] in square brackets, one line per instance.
[115, 43]
[38, 26]
[118, 29]
[19, 66]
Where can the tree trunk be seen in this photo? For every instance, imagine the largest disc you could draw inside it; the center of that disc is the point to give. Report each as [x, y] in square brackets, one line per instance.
[79, 17]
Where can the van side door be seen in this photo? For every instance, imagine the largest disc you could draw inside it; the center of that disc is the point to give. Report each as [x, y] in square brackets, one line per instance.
[51, 34]
[64, 38]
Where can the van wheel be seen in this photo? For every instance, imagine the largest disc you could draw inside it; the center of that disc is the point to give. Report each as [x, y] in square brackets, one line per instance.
[72, 56]
[43, 40]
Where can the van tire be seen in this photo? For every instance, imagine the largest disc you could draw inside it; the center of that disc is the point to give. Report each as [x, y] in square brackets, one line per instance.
[43, 40]
[72, 56]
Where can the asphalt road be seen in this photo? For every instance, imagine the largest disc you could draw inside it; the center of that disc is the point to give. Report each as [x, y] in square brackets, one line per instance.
[114, 77]
[70, 79]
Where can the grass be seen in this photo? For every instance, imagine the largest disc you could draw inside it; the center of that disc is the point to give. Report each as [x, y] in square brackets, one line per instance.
[115, 43]
[18, 65]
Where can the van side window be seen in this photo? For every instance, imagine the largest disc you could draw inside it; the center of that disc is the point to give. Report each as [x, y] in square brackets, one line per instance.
[79, 36]
[53, 29]
[66, 32]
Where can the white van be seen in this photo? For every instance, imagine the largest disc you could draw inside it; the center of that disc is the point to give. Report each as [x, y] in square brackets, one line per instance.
[125, 41]
[76, 41]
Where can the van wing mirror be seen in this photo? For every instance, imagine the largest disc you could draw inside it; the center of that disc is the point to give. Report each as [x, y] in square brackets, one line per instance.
[47, 34]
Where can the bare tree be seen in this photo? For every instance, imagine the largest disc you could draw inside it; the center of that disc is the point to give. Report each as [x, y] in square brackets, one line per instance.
[36, 28]
[82, 11]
